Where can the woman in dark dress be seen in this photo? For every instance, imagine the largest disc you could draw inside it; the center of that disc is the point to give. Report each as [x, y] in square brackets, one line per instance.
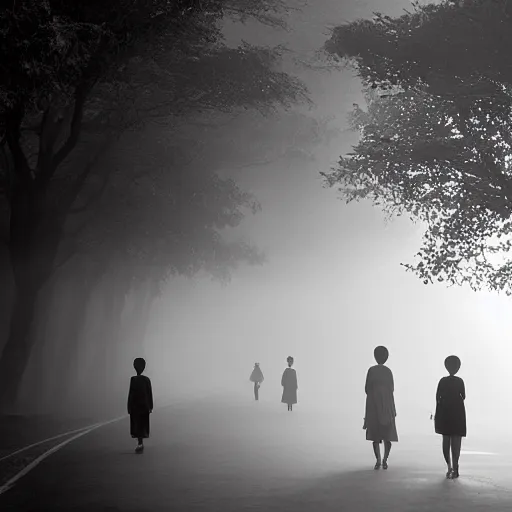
[140, 404]
[450, 418]
[289, 383]
[380, 411]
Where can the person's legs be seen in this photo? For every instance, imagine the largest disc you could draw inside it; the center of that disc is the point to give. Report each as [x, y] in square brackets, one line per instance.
[140, 445]
[456, 442]
[376, 451]
[256, 391]
[387, 449]
[291, 407]
[446, 452]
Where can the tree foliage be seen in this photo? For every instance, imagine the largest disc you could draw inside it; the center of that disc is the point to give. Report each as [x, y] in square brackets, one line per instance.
[436, 137]
[74, 77]
[160, 223]
[87, 73]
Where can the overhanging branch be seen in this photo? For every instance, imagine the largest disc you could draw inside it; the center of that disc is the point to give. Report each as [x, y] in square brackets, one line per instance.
[12, 137]
[74, 133]
[82, 177]
[49, 131]
[64, 260]
[94, 197]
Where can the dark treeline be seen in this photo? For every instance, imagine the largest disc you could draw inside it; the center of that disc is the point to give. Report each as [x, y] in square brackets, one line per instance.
[91, 229]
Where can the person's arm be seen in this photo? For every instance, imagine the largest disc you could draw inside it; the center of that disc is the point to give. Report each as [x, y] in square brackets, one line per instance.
[283, 378]
[392, 382]
[150, 396]
[438, 392]
[295, 375]
[463, 390]
[130, 395]
[367, 383]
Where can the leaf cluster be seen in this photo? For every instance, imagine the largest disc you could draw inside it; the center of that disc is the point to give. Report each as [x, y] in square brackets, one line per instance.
[436, 138]
[163, 223]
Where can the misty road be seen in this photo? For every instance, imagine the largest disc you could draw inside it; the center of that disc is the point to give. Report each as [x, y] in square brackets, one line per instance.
[212, 456]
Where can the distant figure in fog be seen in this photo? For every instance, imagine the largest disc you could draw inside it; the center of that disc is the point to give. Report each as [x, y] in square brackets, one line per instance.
[140, 404]
[380, 411]
[450, 417]
[289, 383]
[257, 378]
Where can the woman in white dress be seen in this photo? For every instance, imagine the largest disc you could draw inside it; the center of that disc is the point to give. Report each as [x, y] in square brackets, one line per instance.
[380, 407]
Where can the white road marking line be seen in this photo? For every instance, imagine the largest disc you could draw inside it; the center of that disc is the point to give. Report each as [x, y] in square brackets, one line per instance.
[4, 488]
[72, 432]
[48, 439]
[85, 430]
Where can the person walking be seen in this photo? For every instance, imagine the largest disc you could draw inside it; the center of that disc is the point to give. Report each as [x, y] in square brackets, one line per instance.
[450, 417]
[257, 378]
[140, 404]
[380, 411]
[289, 383]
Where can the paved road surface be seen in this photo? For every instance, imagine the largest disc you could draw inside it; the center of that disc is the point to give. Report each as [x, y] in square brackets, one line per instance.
[253, 456]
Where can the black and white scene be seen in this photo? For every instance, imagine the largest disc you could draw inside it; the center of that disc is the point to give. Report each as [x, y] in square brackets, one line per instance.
[254, 255]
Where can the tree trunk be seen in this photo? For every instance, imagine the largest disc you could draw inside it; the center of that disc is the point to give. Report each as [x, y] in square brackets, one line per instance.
[35, 227]
[130, 341]
[16, 352]
[114, 300]
[68, 348]
[34, 240]
[37, 377]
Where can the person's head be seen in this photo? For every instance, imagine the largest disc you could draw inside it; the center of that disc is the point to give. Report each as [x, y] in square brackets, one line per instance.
[452, 364]
[381, 354]
[289, 360]
[139, 364]
[256, 365]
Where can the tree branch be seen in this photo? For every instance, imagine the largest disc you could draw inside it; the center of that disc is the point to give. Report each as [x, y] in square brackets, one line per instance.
[65, 260]
[49, 130]
[74, 134]
[12, 136]
[94, 197]
[74, 233]
[82, 177]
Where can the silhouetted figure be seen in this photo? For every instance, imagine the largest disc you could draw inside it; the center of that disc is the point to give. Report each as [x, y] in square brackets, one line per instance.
[289, 383]
[140, 404]
[450, 417]
[380, 411]
[257, 378]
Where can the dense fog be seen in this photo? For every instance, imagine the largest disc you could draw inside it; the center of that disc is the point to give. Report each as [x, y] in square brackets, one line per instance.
[331, 290]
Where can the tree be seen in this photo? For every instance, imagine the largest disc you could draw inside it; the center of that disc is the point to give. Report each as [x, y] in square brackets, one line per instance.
[169, 222]
[436, 139]
[152, 224]
[293, 136]
[70, 71]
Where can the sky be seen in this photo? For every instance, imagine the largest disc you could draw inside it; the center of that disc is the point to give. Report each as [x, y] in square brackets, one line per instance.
[332, 288]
